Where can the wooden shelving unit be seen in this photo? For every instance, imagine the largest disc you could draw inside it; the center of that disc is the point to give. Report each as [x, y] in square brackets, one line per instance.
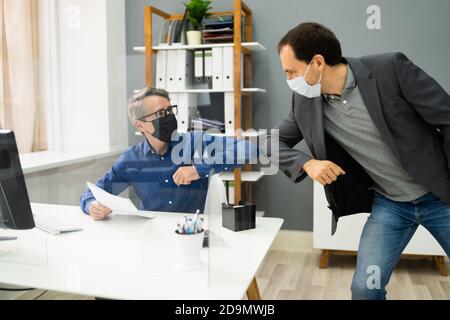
[241, 90]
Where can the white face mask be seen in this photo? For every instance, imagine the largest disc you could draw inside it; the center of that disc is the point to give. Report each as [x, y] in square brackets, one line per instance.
[300, 86]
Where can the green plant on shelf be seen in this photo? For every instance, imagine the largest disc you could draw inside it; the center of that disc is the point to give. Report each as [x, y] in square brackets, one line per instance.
[197, 11]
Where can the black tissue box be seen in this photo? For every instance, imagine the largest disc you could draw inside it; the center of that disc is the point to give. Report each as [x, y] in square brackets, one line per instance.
[239, 218]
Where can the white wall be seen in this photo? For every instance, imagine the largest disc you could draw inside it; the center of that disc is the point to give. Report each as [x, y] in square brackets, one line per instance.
[117, 71]
[92, 64]
[349, 231]
[83, 72]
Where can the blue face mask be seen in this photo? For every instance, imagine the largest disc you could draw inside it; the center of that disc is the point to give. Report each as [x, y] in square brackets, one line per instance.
[300, 85]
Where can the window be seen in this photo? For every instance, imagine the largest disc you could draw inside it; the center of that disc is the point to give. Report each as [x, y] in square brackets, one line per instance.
[21, 107]
[63, 73]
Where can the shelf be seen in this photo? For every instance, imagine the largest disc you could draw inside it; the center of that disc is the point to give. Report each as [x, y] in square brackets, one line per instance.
[244, 135]
[253, 46]
[244, 90]
[246, 176]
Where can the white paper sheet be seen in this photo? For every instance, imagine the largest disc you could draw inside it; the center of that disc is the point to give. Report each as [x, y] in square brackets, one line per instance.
[118, 205]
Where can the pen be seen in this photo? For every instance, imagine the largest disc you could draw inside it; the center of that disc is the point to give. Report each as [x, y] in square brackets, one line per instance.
[190, 225]
[180, 229]
[186, 221]
[195, 223]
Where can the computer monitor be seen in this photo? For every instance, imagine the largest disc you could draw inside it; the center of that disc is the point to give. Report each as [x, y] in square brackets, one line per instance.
[15, 209]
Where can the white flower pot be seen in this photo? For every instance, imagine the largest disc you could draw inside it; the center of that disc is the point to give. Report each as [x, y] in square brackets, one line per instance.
[194, 37]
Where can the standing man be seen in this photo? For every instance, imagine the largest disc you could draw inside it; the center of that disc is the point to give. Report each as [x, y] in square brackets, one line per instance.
[378, 128]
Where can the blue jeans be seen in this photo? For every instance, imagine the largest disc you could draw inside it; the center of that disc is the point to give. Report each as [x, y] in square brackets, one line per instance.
[387, 232]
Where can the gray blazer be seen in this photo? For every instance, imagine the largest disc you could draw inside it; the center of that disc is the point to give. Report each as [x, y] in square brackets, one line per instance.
[409, 108]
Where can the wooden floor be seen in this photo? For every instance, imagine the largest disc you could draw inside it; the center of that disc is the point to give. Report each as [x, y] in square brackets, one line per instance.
[295, 275]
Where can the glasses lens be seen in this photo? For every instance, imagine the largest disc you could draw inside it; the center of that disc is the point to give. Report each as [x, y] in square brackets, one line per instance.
[161, 114]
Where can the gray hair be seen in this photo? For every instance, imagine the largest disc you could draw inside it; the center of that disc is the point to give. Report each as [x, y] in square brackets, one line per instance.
[136, 108]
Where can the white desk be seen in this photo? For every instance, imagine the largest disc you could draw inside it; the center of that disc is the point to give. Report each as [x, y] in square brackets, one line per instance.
[131, 258]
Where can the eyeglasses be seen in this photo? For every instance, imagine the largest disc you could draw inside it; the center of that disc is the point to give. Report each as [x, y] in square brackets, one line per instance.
[163, 113]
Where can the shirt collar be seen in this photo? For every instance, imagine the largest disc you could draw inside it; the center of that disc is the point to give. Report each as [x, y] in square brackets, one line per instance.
[149, 150]
[350, 84]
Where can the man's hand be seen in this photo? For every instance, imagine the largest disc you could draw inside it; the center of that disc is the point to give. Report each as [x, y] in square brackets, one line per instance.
[324, 172]
[98, 211]
[185, 175]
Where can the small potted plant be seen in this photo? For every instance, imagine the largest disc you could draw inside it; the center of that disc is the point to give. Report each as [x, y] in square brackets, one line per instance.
[197, 10]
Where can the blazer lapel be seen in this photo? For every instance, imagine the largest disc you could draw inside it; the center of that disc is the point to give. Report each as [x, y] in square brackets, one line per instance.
[309, 114]
[369, 92]
[317, 131]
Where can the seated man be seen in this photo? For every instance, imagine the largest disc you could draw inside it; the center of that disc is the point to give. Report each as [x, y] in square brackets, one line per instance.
[168, 170]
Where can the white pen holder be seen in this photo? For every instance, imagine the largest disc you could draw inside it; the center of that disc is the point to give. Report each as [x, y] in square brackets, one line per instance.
[189, 249]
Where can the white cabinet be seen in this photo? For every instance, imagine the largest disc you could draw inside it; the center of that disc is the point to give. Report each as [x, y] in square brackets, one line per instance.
[350, 227]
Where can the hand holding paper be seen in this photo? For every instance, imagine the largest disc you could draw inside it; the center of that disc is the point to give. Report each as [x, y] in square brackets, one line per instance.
[118, 205]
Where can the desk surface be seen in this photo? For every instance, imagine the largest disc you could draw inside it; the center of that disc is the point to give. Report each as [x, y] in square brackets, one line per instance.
[133, 258]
